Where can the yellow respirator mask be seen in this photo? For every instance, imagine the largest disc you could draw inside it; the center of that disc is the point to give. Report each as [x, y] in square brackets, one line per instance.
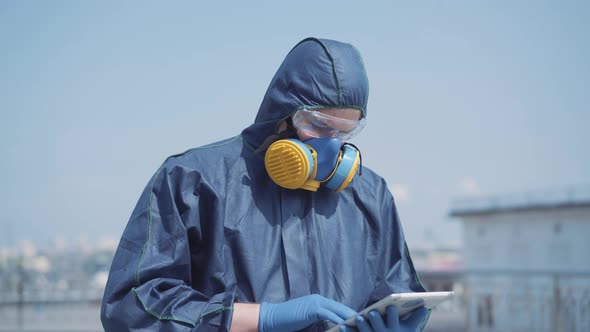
[294, 164]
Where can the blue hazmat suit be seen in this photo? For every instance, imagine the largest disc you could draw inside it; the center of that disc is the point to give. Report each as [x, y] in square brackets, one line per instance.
[211, 228]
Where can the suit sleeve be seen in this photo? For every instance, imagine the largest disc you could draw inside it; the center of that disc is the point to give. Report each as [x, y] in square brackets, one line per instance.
[150, 282]
[398, 274]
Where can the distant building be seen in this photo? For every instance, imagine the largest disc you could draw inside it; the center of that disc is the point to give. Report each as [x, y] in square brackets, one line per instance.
[527, 261]
[440, 269]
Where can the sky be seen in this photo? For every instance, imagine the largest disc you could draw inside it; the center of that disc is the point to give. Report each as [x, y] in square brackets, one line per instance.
[467, 99]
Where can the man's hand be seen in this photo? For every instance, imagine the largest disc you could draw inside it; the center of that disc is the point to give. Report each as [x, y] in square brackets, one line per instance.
[394, 324]
[299, 313]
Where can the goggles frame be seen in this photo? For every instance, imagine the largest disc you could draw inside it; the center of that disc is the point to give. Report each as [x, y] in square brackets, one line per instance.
[320, 125]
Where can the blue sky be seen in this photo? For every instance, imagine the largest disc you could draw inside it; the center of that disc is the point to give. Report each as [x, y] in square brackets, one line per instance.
[467, 98]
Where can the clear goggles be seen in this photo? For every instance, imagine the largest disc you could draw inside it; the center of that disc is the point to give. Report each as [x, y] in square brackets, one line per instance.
[320, 125]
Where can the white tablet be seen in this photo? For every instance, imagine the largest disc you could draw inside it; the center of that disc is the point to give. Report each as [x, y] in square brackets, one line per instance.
[405, 303]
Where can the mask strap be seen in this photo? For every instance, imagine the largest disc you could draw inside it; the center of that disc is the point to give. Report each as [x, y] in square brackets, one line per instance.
[289, 132]
[360, 157]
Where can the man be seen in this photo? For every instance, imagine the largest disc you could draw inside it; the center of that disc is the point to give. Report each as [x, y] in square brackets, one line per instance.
[271, 230]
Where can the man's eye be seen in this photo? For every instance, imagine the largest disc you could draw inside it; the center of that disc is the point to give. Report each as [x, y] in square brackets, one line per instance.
[319, 124]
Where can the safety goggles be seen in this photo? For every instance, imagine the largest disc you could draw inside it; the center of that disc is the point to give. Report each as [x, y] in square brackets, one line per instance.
[319, 124]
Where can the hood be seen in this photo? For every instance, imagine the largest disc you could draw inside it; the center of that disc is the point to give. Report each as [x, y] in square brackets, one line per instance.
[316, 74]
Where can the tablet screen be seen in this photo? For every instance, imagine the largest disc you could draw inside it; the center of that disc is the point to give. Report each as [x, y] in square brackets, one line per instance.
[405, 303]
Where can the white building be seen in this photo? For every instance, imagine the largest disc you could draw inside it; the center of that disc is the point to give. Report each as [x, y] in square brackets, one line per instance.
[527, 261]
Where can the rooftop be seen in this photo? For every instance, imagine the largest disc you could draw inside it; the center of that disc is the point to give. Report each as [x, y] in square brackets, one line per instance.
[528, 201]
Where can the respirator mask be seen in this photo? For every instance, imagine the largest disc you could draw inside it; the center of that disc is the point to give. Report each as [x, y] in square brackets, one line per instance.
[322, 157]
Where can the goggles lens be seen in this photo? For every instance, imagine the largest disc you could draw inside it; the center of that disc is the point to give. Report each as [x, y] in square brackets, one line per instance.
[318, 124]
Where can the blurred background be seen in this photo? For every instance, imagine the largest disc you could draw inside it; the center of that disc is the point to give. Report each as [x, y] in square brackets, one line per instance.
[477, 119]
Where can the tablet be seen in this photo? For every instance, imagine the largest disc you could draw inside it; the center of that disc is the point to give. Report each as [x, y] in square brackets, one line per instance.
[405, 303]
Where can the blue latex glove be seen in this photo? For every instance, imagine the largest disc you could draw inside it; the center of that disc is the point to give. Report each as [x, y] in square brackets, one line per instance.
[394, 324]
[299, 313]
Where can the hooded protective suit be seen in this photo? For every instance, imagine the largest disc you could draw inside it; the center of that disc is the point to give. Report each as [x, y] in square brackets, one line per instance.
[211, 228]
